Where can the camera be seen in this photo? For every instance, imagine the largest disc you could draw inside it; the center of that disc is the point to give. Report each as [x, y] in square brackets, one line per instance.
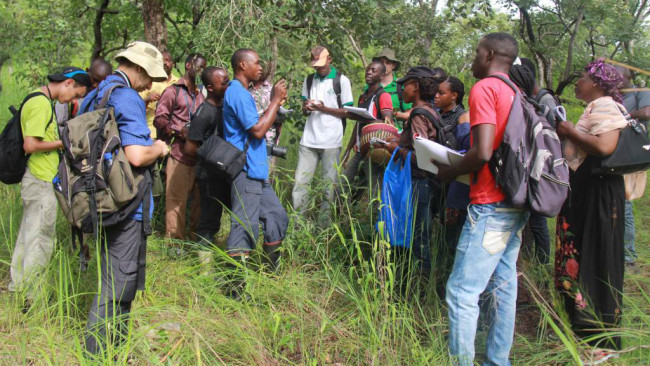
[275, 150]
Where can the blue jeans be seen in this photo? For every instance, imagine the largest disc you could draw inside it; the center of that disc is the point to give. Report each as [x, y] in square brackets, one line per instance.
[630, 232]
[486, 259]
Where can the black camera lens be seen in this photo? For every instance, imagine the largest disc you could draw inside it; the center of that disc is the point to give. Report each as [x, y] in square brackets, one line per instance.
[275, 150]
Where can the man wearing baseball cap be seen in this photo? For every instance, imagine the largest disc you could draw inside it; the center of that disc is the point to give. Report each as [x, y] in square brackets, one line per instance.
[324, 93]
[123, 252]
[35, 241]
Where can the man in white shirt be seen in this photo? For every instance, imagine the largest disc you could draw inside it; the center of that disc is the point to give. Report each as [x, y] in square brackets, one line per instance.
[324, 94]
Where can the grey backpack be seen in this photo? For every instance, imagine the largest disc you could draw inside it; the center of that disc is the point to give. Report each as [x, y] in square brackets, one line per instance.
[528, 164]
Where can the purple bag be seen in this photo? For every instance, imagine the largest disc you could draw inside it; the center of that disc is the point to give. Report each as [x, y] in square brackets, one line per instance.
[528, 164]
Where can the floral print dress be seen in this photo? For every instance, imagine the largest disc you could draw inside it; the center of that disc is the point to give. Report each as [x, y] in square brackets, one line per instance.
[589, 260]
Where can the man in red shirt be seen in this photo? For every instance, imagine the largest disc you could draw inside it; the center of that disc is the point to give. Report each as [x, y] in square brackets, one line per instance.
[488, 247]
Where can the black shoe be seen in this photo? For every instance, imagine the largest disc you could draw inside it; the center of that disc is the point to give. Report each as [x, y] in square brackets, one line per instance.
[26, 306]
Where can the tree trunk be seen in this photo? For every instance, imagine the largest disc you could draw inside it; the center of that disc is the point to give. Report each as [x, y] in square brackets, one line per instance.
[98, 47]
[3, 58]
[273, 63]
[428, 39]
[155, 28]
[568, 68]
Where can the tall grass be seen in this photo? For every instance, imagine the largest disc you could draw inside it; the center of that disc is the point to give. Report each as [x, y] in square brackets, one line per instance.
[331, 302]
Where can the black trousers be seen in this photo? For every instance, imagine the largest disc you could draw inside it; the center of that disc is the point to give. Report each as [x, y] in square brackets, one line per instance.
[123, 260]
[539, 227]
[215, 194]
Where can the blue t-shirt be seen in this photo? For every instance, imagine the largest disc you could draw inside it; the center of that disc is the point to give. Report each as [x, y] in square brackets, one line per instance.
[239, 115]
[130, 114]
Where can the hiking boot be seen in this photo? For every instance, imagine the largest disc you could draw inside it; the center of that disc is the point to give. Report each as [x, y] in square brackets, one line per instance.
[235, 282]
[26, 306]
[271, 259]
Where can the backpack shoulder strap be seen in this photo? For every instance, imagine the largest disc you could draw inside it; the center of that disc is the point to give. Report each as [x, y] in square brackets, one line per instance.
[436, 120]
[30, 96]
[377, 96]
[540, 95]
[336, 84]
[400, 96]
[507, 81]
[310, 82]
[107, 94]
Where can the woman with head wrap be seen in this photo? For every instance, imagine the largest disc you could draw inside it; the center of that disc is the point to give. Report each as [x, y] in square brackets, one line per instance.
[589, 242]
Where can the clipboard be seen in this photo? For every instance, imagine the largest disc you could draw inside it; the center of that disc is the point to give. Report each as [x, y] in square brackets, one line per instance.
[359, 112]
[425, 150]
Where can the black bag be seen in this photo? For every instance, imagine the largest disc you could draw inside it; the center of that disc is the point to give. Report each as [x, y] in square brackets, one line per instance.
[222, 158]
[444, 132]
[13, 160]
[632, 152]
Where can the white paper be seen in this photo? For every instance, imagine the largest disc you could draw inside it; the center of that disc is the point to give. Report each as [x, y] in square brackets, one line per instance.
[361, 112]
[425, 150]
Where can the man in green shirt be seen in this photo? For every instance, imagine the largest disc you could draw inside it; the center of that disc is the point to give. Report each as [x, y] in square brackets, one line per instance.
[35, 240]
[389, 83]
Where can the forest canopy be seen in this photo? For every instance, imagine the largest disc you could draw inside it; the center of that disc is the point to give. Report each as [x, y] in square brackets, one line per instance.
[561, 36]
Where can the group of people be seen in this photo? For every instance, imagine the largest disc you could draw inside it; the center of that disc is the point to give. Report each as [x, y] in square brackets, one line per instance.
[160, 115]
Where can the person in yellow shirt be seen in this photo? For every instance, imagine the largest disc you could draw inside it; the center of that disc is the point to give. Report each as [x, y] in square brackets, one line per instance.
[35, 241]
[152, 95]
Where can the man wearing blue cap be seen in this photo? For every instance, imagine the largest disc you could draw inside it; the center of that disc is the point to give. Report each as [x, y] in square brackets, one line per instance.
[35, 241]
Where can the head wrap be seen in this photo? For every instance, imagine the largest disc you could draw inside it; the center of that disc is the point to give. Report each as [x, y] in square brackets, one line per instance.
[606, 77]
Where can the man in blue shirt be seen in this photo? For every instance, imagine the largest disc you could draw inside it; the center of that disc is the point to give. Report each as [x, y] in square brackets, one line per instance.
[253, 200]
[124, 248]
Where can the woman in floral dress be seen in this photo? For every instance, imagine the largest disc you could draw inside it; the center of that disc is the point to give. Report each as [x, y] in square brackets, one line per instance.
[589, 243]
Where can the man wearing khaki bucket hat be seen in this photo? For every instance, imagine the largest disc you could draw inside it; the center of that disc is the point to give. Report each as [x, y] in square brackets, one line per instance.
[389, 82]
[123, 252]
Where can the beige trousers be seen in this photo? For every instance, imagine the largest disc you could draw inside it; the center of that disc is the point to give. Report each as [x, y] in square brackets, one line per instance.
[35, 242]
[181, 185]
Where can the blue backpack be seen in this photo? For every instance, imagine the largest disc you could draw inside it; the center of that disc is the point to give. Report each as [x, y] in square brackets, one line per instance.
[395, 223]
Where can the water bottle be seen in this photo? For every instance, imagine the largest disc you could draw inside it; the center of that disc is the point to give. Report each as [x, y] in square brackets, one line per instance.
[57, 183]
[108, 163]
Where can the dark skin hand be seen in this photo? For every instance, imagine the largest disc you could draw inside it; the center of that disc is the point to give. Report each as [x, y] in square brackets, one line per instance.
[474, 159]
[642, 114]
[603, 144]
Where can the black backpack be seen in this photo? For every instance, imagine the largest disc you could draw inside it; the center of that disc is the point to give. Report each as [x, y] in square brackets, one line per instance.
[444, 132]
[399, 90]
[336, 83]
[13, 160]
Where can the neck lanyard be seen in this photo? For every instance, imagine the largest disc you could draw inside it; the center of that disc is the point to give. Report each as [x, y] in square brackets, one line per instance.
[121, 74]
[190, 107]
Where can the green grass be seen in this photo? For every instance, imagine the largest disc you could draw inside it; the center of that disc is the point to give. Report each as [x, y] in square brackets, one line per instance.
[330, 304]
